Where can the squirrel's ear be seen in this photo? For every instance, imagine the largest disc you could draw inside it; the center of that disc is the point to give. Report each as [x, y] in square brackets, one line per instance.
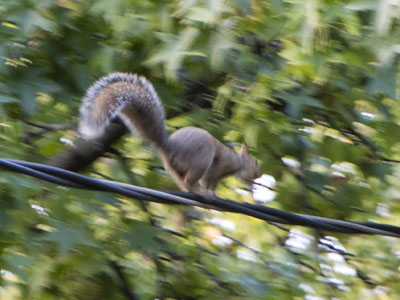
[244, 151]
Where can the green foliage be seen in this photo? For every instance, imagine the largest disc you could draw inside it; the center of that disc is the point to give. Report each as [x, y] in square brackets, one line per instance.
[311, 86]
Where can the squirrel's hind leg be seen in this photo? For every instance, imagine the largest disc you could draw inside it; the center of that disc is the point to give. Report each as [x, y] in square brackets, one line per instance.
[192, 177]
[182, 185]
[198, 171]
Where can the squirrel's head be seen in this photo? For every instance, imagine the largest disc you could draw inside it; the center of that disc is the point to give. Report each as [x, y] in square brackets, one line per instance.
[250, 169]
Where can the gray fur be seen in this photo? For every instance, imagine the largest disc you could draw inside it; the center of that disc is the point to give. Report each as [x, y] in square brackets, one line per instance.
[137, 97]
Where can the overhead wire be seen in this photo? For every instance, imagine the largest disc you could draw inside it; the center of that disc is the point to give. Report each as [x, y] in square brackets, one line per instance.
[74, 180]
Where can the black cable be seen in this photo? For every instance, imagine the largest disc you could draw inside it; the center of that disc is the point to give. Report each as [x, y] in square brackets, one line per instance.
[16, 167]
[78, 181]
[71, 179]
[305, 220]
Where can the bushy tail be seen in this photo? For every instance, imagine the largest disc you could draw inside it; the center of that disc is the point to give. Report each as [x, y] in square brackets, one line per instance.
[129, 96]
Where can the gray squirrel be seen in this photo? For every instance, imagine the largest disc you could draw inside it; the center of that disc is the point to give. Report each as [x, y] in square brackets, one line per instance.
[190, 155]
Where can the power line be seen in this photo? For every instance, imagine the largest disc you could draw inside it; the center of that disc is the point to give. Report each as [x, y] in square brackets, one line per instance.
[75, 180]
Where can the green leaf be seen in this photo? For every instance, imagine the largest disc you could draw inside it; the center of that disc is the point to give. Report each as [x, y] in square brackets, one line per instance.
[377, 169]
[30, 20]
[141, 235]
[175, 50]
[384, 81]
[7, 99]
[67, 237]
[298, 101]
[19, 264]
[338, 151]
[27, 94]
[388, 133]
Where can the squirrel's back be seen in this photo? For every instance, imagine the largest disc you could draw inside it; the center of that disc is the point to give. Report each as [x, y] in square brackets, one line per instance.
[129, 96]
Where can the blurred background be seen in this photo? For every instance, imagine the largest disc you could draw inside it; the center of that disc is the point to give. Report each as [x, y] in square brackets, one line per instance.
[310, 86]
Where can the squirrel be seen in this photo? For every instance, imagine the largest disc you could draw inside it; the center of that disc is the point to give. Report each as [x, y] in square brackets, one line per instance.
[190, 155]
